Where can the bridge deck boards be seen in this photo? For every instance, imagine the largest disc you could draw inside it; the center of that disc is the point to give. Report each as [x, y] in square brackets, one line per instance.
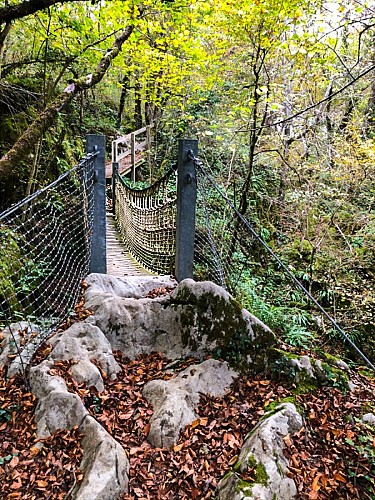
[119, 262]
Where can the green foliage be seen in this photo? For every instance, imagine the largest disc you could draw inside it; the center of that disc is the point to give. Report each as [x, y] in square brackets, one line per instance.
[21, 274]
[11, 265]
[364, 445]
[289, 321]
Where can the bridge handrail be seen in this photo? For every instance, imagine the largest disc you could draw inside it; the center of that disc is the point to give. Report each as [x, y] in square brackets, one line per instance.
[45, 251]
[40, 191]
[129, 141]
[148, 189]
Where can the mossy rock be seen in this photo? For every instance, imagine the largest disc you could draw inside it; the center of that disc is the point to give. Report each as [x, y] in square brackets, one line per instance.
[308, 374]
[209, 314]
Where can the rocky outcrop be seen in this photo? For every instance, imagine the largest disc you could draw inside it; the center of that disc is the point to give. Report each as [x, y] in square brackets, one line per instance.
[262, 452]
[174, 400]
[104, 465]
[134, 287]
[83, 342]
[197, 318]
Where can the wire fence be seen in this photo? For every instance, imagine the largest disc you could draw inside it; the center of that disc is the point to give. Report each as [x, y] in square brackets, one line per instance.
[222, 246]
[45, 247]
[224, 243]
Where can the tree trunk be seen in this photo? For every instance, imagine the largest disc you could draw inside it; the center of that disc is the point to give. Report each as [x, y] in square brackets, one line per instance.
[138, 121]
[30, 137]
[124, 92]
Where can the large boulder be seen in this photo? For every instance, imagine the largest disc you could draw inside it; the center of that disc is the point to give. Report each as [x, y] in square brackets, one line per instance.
[197, 318]
[105, 465]
[82, 343]
[57, 408]
[263, 453]
[174, 400]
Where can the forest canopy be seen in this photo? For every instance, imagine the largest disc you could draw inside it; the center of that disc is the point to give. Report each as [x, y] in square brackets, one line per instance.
[280, 94]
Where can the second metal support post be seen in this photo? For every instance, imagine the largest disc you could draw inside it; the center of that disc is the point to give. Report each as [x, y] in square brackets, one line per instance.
[98, 262]
[186, 200]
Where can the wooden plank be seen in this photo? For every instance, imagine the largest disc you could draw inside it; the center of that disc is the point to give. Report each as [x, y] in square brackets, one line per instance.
[140, 131]
[119, 262]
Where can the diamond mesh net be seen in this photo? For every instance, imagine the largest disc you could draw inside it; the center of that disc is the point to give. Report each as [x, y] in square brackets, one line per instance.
[45, 246]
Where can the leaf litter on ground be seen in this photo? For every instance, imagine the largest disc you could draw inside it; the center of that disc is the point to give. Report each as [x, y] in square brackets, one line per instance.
[326, 458]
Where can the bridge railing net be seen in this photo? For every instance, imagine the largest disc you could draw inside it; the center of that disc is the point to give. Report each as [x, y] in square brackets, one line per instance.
[147, 222]
[45, 247]
[222, 246]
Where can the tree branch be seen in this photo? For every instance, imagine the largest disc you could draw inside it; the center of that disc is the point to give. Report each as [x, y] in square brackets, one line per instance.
[28, 139]
[314, 105]
[11, 12]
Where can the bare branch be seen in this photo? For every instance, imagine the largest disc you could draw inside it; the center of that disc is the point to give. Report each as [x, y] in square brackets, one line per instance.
[11, 12]
[314, 105]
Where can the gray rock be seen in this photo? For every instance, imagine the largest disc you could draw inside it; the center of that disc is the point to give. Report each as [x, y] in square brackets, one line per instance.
[342, 365]
[197, 318]
[84, 342]
[351, 386]
[21, 340]
[302, 364]
[174, 400]
[310, 372]
[42, 382]
[369, 418]
[138, 326]
[130, 287]
[263, 451]
[58, 410]
[104, 464]
[86, 372]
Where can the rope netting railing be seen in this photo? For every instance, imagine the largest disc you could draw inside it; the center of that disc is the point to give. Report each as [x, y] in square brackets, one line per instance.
[221, 247]
[224, 242]
[45, 247]
[147, 222]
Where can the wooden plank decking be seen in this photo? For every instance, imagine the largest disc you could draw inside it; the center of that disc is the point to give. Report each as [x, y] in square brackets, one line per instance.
[119, 262]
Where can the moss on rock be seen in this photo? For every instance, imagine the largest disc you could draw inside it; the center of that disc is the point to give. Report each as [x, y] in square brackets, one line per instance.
[208, 314]
[307, 373]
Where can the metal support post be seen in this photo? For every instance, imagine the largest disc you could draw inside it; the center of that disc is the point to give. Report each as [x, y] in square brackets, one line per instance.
[115, 167]
[186, 199]
[98, 262]
[148, 150]
[132, 147]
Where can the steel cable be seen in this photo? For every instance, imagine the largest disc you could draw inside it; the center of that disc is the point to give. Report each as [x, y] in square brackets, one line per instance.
[258, 238]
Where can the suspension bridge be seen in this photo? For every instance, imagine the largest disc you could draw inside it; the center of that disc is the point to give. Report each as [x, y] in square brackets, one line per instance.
[183, 224]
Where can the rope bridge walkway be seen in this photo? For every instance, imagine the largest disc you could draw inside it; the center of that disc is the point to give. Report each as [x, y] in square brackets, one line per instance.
[184, 224]
[119, 262]
[147, 222]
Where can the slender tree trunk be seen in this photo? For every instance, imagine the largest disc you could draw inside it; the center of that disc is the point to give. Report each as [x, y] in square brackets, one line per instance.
[124, 92]
[256, 124]
[138, 121]
[255, 131]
